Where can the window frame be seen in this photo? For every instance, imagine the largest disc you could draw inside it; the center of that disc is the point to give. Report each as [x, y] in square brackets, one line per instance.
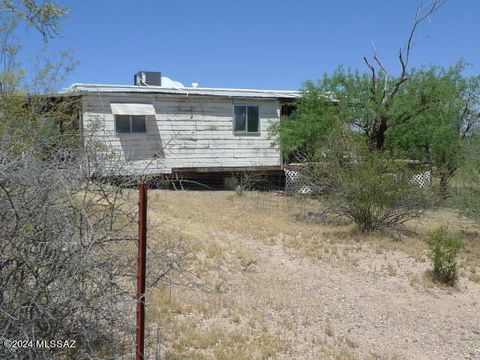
[246, 132]
[130, 121]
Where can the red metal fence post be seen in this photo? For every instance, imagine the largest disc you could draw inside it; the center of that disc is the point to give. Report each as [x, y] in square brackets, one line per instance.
[141, 262]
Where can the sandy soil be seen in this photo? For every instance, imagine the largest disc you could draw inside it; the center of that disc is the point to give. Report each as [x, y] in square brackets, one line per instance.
[275, 287]
[377, 315]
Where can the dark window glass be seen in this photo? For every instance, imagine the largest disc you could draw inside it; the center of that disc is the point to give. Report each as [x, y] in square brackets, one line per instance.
[252, 119]
[138, 124]
[240, 118]
[288, 110]
[122, 123]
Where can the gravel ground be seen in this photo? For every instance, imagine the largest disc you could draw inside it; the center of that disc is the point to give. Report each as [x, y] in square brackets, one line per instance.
[376, 315]
[282, 289]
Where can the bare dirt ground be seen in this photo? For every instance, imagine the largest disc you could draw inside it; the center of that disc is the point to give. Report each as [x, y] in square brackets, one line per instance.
[277, 283]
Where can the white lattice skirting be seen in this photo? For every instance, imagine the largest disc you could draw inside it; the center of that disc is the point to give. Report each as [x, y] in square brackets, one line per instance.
[296, 183]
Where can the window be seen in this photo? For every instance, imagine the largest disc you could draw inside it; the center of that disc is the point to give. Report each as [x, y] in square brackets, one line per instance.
[289, 111]
[138, 124]
[130, 124]
[246, 119]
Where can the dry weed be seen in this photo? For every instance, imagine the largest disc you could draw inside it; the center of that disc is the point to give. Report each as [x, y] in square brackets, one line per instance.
[241, 311]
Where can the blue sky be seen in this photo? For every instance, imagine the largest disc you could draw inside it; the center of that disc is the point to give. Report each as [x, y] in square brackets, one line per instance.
[255, 44]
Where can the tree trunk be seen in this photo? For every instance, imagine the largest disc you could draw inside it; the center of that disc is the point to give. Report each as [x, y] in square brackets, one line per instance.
[444, 181]
[377, 135]
[444, 186]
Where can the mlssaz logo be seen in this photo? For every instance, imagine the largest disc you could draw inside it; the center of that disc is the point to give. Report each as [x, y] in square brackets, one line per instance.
[43, 344]
[52, 344]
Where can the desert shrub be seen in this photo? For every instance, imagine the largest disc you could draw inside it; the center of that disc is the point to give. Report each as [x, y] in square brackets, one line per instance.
[466, 194]
[246, 182]
[67, 266]
[444, 249]
[372, 190]
[377, 193]
[66, 261]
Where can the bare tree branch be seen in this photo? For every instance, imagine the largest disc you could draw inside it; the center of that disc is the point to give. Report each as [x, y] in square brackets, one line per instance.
[383, 68]
[420, 16]
[470, 125]
[373, 88]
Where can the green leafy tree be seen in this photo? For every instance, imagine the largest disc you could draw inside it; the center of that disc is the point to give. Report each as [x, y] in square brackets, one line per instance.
[431, 116]
[303, 134]
[437, 115]
[438, 133]
[366, 101]
[380, 108]
[28, 119]
[424, 114]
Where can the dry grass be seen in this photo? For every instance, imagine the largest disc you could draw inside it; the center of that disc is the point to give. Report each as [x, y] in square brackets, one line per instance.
[243, 249]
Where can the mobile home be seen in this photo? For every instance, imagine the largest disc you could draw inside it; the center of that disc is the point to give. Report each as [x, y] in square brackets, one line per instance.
[185, 131]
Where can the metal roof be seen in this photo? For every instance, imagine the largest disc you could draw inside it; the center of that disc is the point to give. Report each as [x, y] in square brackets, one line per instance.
[78, 89]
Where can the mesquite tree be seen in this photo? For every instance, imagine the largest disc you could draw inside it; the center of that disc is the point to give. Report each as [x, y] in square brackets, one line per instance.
[384, 88]
[438, 134]
[423, 114]
[370, 102]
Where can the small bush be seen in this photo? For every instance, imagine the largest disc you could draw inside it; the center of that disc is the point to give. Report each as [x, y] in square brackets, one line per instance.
[466, 185]
[372, 191]
[376, 193]
[444, 248]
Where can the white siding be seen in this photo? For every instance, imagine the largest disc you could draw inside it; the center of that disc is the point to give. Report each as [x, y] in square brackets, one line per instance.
[185, 132]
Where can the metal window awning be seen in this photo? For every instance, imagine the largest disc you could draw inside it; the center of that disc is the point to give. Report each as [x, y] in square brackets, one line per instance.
[132, 109]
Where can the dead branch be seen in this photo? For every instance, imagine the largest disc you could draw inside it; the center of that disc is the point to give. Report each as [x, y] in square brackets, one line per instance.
[404, 57]
[373, 89]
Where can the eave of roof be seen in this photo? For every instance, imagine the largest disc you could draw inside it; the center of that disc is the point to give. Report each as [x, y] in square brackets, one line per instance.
[79, 89]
